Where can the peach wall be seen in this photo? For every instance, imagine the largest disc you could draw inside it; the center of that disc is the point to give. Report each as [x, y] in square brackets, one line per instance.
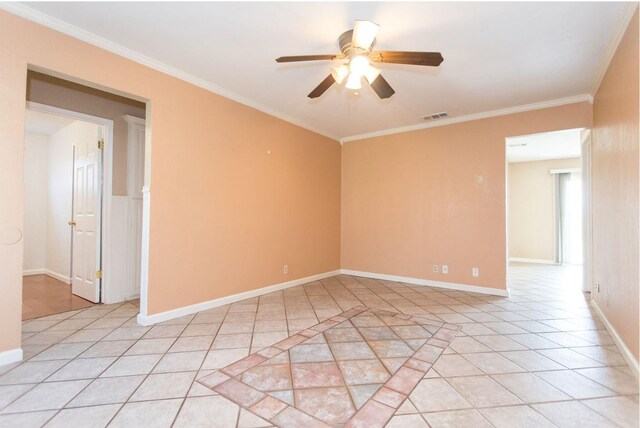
[615, 190]
[225, 215]
[411, 200]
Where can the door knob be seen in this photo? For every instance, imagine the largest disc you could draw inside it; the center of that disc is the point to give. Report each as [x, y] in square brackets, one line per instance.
[71, 222]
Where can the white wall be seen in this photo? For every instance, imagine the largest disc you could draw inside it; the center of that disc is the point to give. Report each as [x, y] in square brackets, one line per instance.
[35, 218]
[60, 182]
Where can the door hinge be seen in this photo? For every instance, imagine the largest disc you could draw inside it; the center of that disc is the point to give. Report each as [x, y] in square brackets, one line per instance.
[99, 274]
[101, 144]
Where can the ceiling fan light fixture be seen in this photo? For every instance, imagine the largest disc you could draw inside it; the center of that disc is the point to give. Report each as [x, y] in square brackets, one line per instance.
[359, 65]
[356, 46]
[371, 74]
[364, 33]
[354, 81]
[340, 73]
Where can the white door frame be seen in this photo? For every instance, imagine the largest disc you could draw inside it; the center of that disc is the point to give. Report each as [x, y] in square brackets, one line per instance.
[146, 217]
[107, 178]
[132, 121]
[587, 220]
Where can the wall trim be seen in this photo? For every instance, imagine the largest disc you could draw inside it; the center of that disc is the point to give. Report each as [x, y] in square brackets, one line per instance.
[429, 283]
[621, 28]
[538, 261]
[624, 350]
[475, 116]
[203, 306]
[10, 356]
[30, 272]
[41, 18]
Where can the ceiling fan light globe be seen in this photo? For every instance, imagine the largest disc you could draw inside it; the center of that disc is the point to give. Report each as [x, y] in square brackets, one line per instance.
[354, 81]
[359, 65]
[371, 74]
[364, 33]
[340, 73]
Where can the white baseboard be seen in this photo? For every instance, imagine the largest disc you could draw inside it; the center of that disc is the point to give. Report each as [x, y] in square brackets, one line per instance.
[191, 309]
[624, 350]
[10, 356]
[58, 276]
[431, 283]
[47, 272]
[538, 261]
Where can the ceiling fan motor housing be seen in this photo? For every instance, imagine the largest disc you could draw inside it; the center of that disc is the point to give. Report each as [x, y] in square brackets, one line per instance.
[345, 45]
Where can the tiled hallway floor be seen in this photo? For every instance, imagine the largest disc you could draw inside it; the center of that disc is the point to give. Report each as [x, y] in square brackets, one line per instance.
[538, 358]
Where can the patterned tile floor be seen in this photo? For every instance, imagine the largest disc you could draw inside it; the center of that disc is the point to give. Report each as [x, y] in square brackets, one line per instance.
[354, 369]
[538, 358]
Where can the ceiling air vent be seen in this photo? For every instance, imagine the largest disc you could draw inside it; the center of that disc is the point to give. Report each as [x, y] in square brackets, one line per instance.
[435, 116]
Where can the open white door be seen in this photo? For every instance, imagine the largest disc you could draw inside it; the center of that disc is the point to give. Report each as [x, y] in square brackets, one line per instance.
[86, 215]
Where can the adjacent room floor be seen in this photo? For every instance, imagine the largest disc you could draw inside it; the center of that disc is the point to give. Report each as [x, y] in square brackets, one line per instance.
[43, 295]
[538, 358]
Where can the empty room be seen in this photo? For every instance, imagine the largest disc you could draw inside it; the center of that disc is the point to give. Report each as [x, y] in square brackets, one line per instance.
[306, 214]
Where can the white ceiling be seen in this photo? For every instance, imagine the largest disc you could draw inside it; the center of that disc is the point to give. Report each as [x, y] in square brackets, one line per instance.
[496, 55]
[550, 145]
[43, 123]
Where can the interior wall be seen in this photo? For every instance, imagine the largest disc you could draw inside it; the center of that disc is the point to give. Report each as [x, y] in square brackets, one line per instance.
[412, 200]
[59, 202]
[238, 192]
[532, 212]
[35, 216]
[615, 190]
[52, 91]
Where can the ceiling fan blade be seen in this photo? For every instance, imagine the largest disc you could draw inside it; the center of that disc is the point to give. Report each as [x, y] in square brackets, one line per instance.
[382, 87]
[364, 33]
[433, 59]
[307, 58]
[322, 87]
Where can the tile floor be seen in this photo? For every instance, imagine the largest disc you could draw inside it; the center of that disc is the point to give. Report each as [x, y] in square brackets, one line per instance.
[354, 369]
[538, 358]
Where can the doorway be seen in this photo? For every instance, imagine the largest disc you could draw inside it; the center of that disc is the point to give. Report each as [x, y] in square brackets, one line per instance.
[64, 178]
[98, 217]
[546, 204]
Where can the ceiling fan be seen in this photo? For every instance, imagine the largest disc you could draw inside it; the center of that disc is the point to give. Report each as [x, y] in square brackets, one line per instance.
[356, 46]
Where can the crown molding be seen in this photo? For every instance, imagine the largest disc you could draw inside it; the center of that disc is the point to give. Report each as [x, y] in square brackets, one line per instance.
[621, 28]
[38, 17]
[475, 116]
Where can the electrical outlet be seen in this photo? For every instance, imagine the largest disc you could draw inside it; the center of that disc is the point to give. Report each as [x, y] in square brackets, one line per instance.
[285, 269]
[445, 269]
[480, 180]
[475, 272]
[435, 268]
[598, 286]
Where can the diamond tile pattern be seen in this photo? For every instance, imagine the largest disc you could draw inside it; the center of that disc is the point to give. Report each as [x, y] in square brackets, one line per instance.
[542, 350]
[317, 366]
